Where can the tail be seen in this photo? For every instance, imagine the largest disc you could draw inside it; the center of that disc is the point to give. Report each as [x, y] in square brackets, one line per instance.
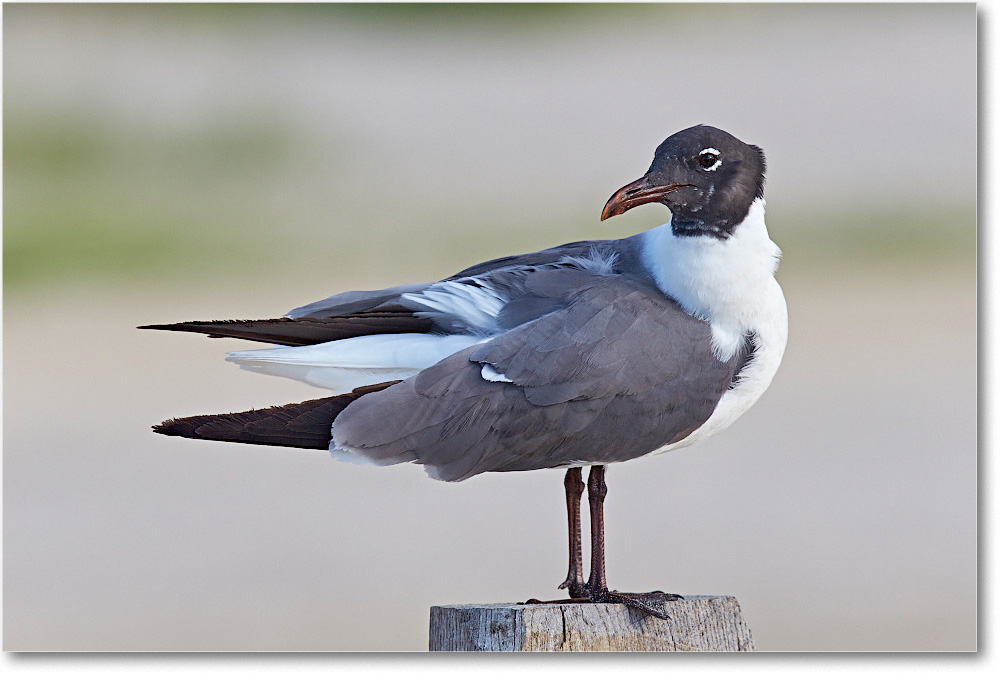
[296, 425]
[310, 330]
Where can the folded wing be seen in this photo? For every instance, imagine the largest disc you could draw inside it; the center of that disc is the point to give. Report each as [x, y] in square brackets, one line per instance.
[562, 357]
[595, 381]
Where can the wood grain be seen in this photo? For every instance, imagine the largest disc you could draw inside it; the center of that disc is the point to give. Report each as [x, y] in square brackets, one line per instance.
[700, 623]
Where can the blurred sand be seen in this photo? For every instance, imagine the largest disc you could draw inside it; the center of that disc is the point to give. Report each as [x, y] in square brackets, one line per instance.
[841, 511]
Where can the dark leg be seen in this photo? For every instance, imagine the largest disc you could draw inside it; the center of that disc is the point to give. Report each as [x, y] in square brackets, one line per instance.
[597, 586]
[597, 490]
[574, 492]
[596, 589]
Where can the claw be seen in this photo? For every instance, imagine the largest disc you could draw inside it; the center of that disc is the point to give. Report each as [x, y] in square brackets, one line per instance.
[630, 601]
[575, 588]
[633, 600]
[614, 597]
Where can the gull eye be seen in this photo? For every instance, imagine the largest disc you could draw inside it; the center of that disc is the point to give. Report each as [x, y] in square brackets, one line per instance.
[708, 158]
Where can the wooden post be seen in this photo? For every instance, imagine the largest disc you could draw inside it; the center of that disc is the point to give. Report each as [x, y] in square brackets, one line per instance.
[698, 623]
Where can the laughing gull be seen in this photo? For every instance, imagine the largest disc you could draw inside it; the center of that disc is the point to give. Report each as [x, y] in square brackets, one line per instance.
[584, 354]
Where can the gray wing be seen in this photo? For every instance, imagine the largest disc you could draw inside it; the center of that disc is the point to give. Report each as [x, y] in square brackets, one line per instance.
[351, 302]
[616, 373]
[505, 274]
[483, 300]
[545, 256]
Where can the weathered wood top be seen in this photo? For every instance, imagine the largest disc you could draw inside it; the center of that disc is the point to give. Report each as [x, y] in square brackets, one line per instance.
[697, 623]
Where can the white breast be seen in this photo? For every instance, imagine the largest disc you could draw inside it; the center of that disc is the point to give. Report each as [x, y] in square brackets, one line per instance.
[730, 283]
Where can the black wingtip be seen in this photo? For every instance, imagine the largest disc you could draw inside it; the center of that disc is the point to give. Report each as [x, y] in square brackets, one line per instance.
[182, 426]
[188, 326]
[296, 425]
[306, 330]
[302, 425]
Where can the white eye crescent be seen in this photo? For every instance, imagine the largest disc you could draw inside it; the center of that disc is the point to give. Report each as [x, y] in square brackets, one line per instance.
[710, 159]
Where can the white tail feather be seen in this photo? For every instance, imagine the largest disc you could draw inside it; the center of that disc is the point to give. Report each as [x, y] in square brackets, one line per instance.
[343, 365]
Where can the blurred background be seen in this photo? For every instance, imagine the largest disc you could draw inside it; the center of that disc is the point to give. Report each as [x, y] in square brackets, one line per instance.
[173, 162]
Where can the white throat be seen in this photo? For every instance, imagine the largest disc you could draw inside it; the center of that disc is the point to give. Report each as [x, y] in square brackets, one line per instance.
[728, 282]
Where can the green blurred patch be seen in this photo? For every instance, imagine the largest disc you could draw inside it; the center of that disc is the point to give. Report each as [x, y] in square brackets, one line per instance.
[424, 16]
[84, 244]
[918, 236]
[84, 201]
[47, 147]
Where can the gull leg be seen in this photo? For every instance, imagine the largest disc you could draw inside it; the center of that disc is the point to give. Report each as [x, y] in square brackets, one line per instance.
[574, 493]
[597, 490]
[597, 586]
